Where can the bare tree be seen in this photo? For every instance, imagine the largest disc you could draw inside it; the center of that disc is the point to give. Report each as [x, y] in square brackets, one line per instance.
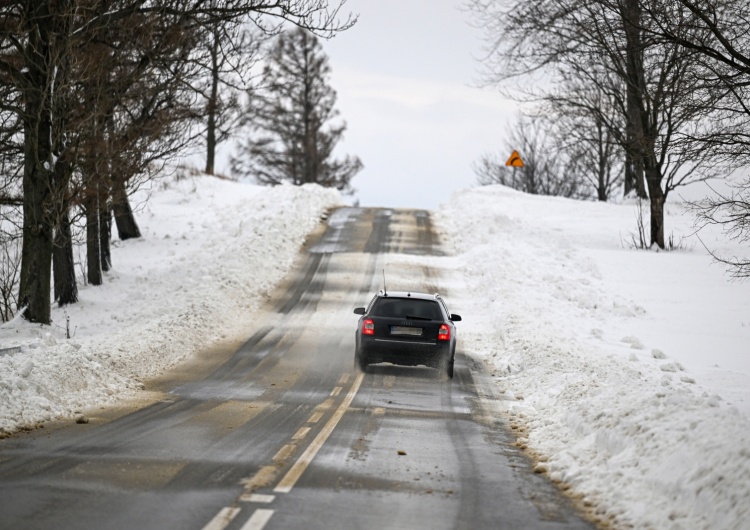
[10, 259]
[44, 73]
[292, 137]
[607, 44]
[139, 111]
[230, 58]
[11, 195]
[546, 171]
[730, 211]
[584, 128]
[43, 33]
[716, 34]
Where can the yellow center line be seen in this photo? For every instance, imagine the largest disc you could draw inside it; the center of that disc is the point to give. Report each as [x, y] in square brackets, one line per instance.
[299, 467]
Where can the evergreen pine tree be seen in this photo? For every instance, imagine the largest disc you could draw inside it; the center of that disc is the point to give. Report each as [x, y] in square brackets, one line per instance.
[292, 138]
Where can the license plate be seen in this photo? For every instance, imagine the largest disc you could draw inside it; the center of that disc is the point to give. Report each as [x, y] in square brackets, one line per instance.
[403, 330]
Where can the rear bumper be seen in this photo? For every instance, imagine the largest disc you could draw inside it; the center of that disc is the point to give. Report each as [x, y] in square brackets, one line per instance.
[408, 353]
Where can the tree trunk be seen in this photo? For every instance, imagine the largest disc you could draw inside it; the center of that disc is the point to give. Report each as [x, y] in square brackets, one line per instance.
[601, 192]
[105, 230]
[602, 175]
[93, 255]
[36, 254]
[657, 221]
[66, 289]
[212, 109]
[127, 228]
[658, 199]
[602, 152]
[634, 151]
[630, 172]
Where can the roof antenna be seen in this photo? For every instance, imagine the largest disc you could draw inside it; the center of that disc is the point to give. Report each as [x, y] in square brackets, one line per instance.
[385, 290]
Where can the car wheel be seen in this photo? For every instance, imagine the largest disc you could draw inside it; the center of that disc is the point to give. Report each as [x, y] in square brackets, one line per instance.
[449, 369]
[360, 362]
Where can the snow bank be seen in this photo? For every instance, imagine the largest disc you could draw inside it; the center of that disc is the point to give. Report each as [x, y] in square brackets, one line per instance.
[211, 252]
[586, 339]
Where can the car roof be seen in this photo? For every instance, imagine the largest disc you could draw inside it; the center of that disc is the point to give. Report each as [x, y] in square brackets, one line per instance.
[407, 294]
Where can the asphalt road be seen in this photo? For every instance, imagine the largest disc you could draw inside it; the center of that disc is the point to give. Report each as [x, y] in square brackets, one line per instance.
[284, 432]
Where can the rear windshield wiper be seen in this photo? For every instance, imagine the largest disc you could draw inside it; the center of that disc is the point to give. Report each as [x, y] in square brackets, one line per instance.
[409, 317]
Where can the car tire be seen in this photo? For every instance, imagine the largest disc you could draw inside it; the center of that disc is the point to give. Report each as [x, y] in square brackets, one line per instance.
[360, 362]
[449, 369]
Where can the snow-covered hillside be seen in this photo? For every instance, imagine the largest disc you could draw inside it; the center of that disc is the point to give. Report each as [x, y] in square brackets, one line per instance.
[212, 250]
[626, 371]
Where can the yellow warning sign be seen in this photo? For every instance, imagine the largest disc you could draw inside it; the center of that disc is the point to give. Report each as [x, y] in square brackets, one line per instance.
[514, 160]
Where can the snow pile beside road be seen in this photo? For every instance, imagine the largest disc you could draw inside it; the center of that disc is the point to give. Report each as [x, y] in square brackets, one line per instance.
[211, 251]
[607, 356]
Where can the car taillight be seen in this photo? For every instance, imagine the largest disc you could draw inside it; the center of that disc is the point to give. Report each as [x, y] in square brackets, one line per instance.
[368, 327]
[444, 333]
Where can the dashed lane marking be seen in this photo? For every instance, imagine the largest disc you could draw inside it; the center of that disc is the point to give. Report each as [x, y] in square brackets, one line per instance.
[300, 434]
[259, 498]
[284, 453]
[299, 467]
[327, 404]
[315, 418]
[336, 391]
[261, 479]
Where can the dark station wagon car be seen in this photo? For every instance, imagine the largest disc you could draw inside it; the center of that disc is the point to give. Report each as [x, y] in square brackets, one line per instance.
[406, 328]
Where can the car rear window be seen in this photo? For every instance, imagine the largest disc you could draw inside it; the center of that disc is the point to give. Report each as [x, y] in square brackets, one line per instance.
[407, 308]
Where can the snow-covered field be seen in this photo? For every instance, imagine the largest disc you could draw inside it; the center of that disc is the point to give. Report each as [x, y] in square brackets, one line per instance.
[626, 372]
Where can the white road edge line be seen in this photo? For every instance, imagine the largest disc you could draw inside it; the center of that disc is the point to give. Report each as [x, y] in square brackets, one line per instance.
[293, 475]
[258, 520]
[222, 519]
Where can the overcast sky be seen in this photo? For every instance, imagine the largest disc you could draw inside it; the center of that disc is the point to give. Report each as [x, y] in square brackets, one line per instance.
[405, 77]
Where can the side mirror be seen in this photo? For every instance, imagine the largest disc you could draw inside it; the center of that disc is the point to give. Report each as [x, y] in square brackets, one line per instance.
[359, 311]
[455, 318]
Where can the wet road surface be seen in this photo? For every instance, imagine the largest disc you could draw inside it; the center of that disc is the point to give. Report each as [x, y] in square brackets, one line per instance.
[285, 433]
